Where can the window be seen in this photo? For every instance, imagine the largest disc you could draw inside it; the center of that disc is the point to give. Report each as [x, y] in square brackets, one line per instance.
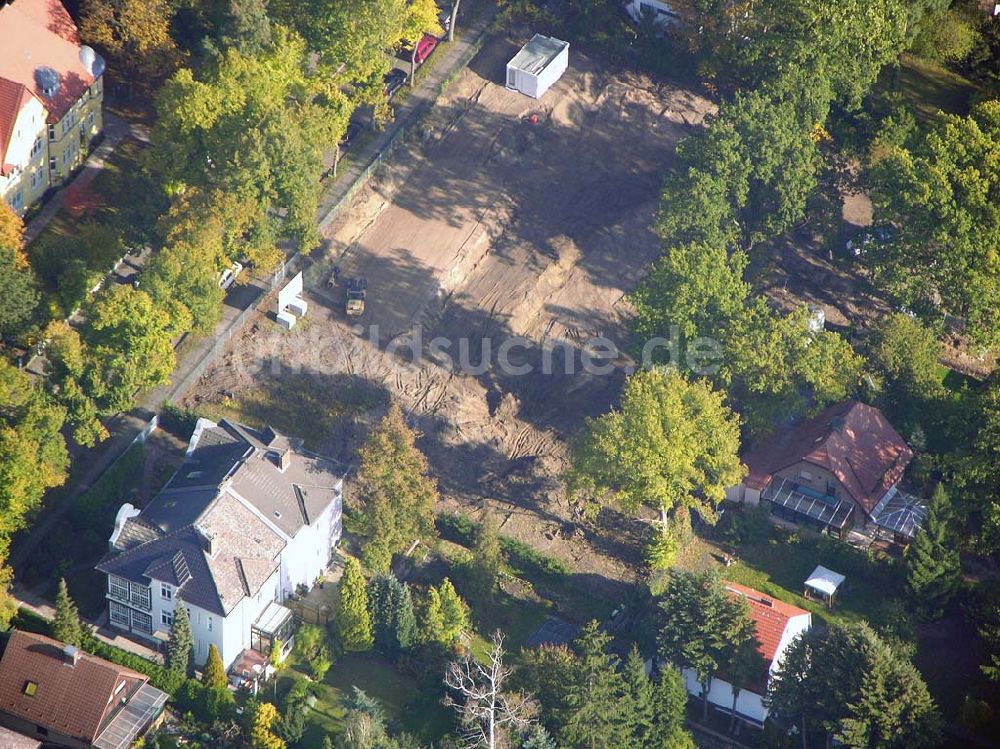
[17, 200]
[52, 165]
[167, 618]
[119, 614]
[36, 147]
[52, 132]
[91, 119]
[36, 177]
[140, 596]
[142, 622]
[209, 624]
[30, 688]
[118, 587]
[166, 592]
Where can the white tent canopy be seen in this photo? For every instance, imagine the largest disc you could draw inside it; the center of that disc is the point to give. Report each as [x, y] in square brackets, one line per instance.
[824, 581]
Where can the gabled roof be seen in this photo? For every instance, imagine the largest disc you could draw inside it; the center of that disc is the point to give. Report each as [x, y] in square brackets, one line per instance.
[852, 440]
[234, 489]
[770, 617]
[75, 700]
[244, 555]
[13, 97]
[38, 36]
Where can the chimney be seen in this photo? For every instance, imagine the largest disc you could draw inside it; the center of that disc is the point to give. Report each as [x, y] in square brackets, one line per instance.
[208, 542]
[284, 459]
[71, 654]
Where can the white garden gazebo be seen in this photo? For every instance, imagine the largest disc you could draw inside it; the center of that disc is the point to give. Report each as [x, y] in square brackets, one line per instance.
[823, 583]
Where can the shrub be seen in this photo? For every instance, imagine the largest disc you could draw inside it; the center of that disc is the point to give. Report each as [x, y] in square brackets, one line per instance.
[159, 676]
[178, 421]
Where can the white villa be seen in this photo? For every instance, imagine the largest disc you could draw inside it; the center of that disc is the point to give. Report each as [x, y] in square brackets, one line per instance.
[248, 518]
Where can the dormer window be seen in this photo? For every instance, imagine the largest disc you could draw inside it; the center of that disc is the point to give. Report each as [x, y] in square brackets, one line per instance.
[30, 688]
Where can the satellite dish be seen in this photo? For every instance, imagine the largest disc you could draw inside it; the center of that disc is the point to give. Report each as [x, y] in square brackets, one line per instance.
[48, 81]
[92, 62]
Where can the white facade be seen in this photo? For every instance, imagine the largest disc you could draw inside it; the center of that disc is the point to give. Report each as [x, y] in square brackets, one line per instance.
[749, 704]
[660, 12]
[26, 152]
[307, 554]
[540, 63]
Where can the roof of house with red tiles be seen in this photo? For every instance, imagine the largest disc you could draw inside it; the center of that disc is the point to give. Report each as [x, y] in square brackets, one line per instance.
[38, 683]
[13, 97]
[852, 440]
[770, 617]
[38, 38]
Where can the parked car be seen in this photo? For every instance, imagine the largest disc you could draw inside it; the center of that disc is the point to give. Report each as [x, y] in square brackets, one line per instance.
[876, 235]
[394, 80]
[421, 51]
[228, 277]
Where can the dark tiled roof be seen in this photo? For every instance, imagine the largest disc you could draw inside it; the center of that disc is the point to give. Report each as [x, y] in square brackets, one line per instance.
[229, 469]
[77, 701]
[854, 441]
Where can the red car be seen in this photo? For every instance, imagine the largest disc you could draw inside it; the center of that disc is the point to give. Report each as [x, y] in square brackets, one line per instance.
[422, 50]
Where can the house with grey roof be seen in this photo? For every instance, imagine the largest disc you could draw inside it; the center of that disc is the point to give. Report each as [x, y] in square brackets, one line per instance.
[249, 517]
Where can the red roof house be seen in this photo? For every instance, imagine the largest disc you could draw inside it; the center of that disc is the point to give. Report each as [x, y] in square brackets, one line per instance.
[57, 694]
[776, 624]
[834, 468]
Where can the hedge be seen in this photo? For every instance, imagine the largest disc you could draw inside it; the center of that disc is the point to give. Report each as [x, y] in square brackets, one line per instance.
[523, 560]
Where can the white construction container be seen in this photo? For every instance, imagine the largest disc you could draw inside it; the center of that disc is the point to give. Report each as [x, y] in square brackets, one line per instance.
[540, 63]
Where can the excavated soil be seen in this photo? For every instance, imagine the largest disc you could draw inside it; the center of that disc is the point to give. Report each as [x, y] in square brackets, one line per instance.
[504, 220]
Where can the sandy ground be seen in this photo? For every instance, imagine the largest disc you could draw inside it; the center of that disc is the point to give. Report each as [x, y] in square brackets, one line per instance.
[488, 228]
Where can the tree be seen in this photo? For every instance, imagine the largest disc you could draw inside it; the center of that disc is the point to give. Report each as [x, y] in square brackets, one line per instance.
[421, 17]
[696, 287]
[180, 645]
[352, 620]
[595, 698]
[933, 568]
[262, 717]
[487, 560]
[33, 454]
[136, 33]
[905, 353]
[975, 475]
[743, 660]
[311, 647]
[213, 676]
[130, 344]
[393, 486]
[702, 624]
[201, 139]
[12, 233]
[673, 444]
[454, 613]
[17, 289]
[775, 366]
[853, 685]
[671, 699]
[242, 25]
[392, 615]
[640, 701]
[66, 626]
[487, 711]
[939, 193]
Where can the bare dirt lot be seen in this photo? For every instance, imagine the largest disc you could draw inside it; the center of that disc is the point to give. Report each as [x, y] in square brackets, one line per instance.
[487, 227]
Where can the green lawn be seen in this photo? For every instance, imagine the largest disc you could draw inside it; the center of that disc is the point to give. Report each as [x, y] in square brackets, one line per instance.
[408, 706]
[780, 564]
[927, 88]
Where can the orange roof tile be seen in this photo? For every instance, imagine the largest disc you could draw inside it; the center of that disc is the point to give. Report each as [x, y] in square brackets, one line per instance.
[40, 34]
[770, 617]
[74, 700]
[13, 96]
[852, 440]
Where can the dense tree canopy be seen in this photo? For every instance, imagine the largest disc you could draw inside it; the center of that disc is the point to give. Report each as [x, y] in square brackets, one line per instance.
[846, 681]
[942, 194]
